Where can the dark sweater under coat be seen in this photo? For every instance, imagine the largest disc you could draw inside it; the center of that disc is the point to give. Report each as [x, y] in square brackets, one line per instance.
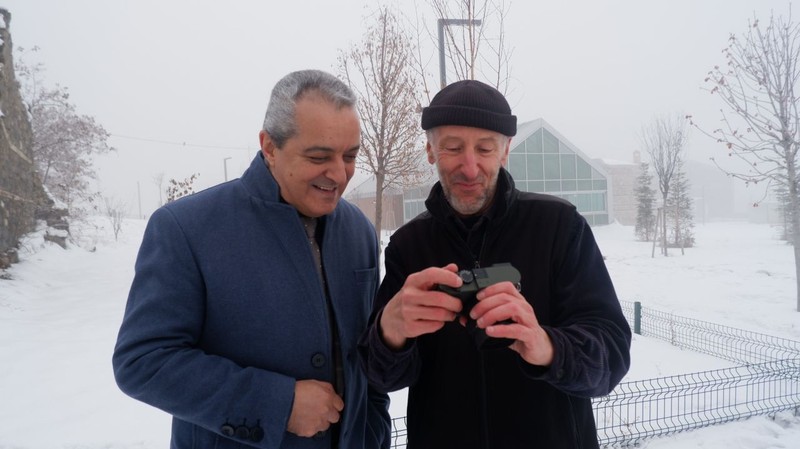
[461, 397]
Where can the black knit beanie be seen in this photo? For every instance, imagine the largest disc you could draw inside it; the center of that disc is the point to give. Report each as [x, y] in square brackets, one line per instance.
[470, 103]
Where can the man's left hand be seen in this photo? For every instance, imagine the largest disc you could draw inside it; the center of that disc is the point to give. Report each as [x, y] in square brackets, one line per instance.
[501, 302]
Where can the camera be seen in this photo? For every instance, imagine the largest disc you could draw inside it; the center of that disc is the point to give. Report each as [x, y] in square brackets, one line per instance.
[475, 280]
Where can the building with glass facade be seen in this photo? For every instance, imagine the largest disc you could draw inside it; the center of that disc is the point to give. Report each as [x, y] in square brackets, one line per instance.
[542, 160]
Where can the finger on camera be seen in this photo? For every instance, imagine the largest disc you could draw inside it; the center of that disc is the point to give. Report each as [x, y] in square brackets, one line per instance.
[490, 303]
[446, 310]
[451, 267]
[422, 327]
[510, 331]
[432, 313]
[497, 311]
[432, 276]
[447, 302]
[498, 288]
[418, 304]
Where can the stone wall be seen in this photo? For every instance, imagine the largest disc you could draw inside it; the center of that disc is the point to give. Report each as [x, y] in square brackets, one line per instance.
[21, 192]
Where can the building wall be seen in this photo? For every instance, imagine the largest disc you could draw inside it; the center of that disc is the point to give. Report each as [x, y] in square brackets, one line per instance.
[543, 161]
[392, 209]
[623, 185]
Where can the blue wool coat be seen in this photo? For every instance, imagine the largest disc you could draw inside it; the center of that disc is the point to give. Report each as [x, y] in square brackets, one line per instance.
[226, 312]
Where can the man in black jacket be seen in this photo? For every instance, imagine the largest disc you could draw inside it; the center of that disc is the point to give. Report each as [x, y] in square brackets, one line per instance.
[553, 340]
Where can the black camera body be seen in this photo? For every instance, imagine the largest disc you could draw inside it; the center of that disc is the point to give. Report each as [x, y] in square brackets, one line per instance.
[475, 280]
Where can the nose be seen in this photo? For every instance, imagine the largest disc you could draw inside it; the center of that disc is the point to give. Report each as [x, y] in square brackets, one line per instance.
[337, 171]
[469, 164]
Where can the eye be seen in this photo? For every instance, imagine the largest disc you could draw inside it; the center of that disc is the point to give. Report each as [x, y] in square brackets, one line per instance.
[350, 157]
[317, 159]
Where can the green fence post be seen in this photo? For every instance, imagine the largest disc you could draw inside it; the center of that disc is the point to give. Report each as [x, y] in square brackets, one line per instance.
[637, 318]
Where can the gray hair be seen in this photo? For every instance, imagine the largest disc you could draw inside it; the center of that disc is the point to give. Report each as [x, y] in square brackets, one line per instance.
[279, 121]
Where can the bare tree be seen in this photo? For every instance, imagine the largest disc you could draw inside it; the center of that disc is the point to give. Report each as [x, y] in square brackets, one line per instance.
[664, 139]
[178, 189]
[64, 142]
[115, 211]
[473, 41]
[762, 126]
[379, 71]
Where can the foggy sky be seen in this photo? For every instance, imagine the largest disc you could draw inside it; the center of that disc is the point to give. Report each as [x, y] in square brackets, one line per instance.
[157, 74]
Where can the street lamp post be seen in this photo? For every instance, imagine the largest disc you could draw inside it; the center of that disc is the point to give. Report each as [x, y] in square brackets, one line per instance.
[225, 166]
[441, 24]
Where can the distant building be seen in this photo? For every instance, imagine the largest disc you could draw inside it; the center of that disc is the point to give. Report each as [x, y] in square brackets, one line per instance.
[363, 197]
[623, 183]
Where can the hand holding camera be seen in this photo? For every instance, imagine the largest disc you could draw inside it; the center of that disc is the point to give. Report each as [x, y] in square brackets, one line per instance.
[417, 309]
[474, 281]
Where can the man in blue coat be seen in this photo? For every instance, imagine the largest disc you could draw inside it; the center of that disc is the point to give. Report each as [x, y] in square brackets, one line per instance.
[249, 297]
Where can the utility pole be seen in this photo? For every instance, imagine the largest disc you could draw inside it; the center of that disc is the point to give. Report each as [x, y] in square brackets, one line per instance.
[225, 167]
[139, 194]
[441, 23]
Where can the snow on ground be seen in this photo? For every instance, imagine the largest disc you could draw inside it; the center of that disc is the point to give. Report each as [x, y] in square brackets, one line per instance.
[60, 311]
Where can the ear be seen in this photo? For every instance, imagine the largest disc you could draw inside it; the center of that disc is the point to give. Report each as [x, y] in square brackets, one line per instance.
[504, 159]
[431, 156]
[268, 147]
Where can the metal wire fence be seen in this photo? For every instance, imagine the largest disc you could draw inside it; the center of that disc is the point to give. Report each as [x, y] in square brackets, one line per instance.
[654, 407]
[727, 343]
[768, 381]
[399, 432]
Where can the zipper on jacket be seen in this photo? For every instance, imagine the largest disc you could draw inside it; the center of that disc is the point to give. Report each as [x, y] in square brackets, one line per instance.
[476, 258]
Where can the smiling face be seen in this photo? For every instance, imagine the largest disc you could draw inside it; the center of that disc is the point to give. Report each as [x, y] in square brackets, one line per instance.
[468, 161]
[314, 166]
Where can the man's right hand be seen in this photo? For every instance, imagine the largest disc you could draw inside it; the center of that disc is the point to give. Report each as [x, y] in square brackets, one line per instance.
[419, 309]
[316, 406]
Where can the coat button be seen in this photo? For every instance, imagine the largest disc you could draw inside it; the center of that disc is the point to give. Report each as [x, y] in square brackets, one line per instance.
[227, 430]
[256, 434]
[318, 360]
[243, 433]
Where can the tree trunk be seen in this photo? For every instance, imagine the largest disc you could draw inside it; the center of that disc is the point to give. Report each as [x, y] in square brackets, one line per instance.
[655, 233]
[678, 237]
[794, 203]
[379, 180]
[664, 226]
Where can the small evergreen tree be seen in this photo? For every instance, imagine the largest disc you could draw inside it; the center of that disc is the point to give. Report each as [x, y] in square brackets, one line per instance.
[785, 209]
[680, 220]
[645, 198]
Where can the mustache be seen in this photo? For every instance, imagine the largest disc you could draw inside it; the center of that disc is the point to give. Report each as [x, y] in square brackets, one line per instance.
[460, 177]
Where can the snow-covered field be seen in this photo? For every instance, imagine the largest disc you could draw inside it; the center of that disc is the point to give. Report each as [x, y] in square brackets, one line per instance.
[60, 311]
